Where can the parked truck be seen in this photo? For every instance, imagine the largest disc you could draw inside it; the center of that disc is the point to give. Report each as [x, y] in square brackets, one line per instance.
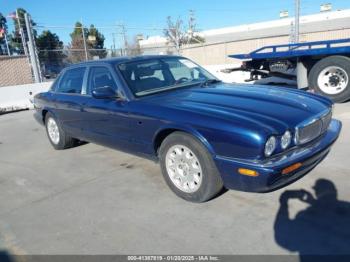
[322, 66]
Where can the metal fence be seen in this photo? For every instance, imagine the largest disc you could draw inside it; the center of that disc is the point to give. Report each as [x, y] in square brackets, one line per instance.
[79, 42]
[54, 47]
[51, 67]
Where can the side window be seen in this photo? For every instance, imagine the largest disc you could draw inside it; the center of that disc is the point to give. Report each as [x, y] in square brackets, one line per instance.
[156, 74]
[150, 70]
[72, 81]
[55, 83]
[100, 77]
[179, 70]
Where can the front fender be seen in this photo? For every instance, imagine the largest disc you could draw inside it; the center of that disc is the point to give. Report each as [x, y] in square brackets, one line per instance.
[49, 110]
[187, 129]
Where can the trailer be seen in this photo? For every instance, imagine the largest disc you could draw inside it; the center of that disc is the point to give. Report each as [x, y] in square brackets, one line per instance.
[321, 66]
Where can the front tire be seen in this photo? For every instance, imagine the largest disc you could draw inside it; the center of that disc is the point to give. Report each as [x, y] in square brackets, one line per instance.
[188, 168]
[331, 77]
[57, 137]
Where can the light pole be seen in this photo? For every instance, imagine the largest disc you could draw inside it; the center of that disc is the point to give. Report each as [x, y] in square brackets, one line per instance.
[34, 60]
[297, 20]
[23, 38]
[84, 40]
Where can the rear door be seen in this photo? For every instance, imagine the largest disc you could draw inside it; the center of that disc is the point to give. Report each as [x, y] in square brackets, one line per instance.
[68, 100]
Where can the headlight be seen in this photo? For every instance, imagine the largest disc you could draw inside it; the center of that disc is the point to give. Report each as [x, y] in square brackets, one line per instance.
[286, 139]
[270, 146]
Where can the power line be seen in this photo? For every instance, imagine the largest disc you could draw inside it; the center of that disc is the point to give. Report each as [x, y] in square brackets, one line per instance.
[100, 27]
[71, 49]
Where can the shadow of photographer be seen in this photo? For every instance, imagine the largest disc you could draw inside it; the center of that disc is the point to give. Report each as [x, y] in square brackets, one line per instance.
[323, 228]
[5, 256]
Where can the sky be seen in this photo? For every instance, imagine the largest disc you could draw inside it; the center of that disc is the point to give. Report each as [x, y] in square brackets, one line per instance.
[139, 16]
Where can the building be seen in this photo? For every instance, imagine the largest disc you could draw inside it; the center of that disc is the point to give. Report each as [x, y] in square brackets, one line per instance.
[154, 45]
[219, 43]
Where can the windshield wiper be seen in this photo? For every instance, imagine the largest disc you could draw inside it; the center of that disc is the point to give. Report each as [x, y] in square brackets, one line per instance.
[209, 82]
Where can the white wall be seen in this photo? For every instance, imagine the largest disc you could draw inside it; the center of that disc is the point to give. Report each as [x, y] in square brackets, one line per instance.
[19, 97]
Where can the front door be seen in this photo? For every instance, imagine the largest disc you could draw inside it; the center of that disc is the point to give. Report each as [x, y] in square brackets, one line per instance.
[108, 119]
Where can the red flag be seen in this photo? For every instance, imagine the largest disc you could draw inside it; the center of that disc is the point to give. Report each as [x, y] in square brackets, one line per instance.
[12, 15]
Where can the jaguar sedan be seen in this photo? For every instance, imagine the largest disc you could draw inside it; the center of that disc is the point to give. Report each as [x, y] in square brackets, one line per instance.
[207, 135]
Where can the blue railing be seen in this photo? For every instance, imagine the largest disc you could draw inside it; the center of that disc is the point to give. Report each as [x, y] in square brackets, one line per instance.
[339, 46]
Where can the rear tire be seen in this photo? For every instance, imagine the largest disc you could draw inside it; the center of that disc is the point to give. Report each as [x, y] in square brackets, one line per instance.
[57, 137]
[330, 77]
[188, 168]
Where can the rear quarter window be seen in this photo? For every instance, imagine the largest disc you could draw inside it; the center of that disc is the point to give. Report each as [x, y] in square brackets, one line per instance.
[54, 85]
[71, 81]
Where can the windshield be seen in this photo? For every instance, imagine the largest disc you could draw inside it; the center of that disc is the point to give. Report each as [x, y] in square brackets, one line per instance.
[160, 74]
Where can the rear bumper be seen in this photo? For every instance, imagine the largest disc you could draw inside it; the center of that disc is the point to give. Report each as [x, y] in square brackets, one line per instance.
[270, 171]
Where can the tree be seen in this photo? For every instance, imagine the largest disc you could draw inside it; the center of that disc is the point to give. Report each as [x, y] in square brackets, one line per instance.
[76, 46]
[2, 21]
[3, 31]
[192, 36]
[19, 23]
[95, 42]
[175, 33]
[48, 45]
[178, 35]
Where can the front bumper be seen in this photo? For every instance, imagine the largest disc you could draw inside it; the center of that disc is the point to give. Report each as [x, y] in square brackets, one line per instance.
[270, 171]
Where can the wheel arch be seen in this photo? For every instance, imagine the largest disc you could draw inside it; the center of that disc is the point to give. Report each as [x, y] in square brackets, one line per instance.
[164, 132]
[339, 60]
[44, 112]
[311, 61]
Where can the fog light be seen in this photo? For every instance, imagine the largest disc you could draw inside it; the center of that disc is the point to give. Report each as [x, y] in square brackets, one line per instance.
[291, 168]
[248, 172]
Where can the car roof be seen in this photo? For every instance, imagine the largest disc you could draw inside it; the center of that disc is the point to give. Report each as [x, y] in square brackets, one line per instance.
[122, 59]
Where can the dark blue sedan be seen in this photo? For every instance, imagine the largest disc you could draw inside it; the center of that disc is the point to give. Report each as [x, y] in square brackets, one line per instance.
[206, 134]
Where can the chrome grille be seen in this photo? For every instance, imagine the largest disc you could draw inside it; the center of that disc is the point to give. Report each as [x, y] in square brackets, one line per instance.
[314, 129]
[326, 120]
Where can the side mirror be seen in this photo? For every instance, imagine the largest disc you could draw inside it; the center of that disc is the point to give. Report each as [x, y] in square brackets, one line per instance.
[105, 92]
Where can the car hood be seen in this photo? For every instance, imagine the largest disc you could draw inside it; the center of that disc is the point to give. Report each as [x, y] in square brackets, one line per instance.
[274, 109]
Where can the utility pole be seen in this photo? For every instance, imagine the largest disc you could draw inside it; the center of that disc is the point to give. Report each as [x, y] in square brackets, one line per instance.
[292, 34]
[192, 21]
[122, 26]
[113, 47]
[297, 21]
[191, 26]
[7, 44]
[34, 60]
[84, 40]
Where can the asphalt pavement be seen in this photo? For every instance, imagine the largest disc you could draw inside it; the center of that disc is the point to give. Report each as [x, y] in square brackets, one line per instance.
[94, 200]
